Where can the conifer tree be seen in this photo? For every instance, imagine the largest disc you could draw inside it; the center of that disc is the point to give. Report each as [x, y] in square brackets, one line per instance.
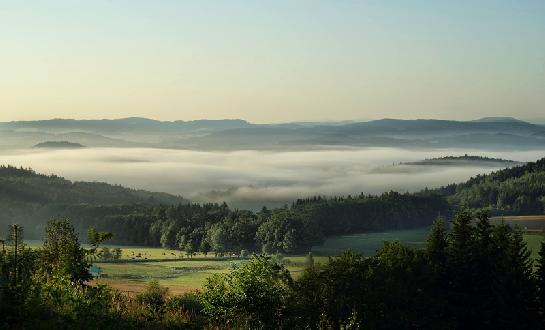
[540, 281]
[484, 266]
[461, 269]
[437, 243]
[518, 304]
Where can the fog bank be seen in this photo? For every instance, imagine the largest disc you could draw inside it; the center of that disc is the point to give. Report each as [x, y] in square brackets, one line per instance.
[253, 178]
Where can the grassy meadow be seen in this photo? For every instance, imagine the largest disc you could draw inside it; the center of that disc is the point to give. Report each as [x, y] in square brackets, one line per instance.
[180, 275]
[369, 243]
[174, 269]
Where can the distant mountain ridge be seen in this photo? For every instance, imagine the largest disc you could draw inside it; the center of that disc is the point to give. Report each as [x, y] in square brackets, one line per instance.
[235, 134]
[125, 124]
[500, 120]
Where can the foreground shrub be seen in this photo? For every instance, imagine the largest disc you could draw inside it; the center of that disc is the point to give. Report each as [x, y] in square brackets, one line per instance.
[154, 299]
[187, 305]
[254, 295]
[60, 303]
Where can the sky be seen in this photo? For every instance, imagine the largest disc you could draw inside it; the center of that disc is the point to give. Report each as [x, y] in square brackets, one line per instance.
[271, 61]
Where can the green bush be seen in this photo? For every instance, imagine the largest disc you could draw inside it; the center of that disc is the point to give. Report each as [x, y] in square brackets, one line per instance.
[254, 295]
[154, 299]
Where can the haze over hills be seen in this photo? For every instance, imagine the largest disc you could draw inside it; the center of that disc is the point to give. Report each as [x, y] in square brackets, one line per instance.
[489, 132]
[251, 165]
[291, 164]
[30, 199]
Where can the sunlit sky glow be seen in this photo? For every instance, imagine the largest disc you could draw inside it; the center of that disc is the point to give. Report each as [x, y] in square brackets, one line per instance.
[271, 61]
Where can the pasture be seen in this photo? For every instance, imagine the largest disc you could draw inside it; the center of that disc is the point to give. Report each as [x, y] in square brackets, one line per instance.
[369, 243]
[180, 275]
[139, 265]
[527, 223]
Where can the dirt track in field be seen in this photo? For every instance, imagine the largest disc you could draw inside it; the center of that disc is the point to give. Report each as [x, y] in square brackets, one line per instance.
[519, 218]
[132, 287]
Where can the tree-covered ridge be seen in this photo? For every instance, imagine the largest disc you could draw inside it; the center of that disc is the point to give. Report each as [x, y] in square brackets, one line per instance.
[363, 213]
[518, 190]
[59, 145]
[30, 199]
[464, 160]
[142, 218]
[220, 230]
[28, 186]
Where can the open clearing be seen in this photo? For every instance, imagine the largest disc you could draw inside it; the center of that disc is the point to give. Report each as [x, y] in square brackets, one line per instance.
[528, 223]
[179, 276]
[140, 265]
[369, 243]
[519, 218]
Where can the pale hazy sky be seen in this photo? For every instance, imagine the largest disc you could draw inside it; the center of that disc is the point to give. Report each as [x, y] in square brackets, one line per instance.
[271, 61]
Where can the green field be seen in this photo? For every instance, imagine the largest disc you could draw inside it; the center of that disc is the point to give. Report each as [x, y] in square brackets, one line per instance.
[140, 265]
[369, 243]
[182, 275]
[534, 242]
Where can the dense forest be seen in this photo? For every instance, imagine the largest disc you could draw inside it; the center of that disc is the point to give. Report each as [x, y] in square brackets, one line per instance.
[156, 219]
[142, 218]
[30, 199]
[517, 190]
[219, 229]
[473, 276]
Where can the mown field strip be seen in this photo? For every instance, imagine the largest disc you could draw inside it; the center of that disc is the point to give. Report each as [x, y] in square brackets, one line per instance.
[540, 217]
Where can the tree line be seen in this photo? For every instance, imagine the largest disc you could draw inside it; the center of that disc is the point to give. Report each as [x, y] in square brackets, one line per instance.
[142, 218]
[217, 229]
[472, 275]
[155, 219]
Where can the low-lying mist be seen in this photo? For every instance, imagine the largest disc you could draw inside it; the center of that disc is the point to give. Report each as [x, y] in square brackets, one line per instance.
[255, 178]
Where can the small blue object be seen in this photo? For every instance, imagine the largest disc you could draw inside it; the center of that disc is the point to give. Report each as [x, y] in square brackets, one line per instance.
[95, 271]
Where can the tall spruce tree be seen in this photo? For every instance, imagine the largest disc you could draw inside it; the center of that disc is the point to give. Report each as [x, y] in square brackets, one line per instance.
[485, 269]
[15, 252]
[540, 281]
[519, 292]
[437, 243]
[461, 268]
[436, 252]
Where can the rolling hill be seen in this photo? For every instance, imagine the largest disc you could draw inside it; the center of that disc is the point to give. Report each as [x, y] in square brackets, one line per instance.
[466, 160]
[31, 199]
[59, 145]
[492, 133]
[517, 190]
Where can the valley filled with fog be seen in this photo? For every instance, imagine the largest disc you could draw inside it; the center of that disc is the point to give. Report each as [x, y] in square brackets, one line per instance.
[250, 179]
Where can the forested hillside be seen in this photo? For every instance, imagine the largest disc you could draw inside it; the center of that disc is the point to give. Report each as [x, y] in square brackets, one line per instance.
[219, 229]
[143, 218]
[31, 199]
[518, 190]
